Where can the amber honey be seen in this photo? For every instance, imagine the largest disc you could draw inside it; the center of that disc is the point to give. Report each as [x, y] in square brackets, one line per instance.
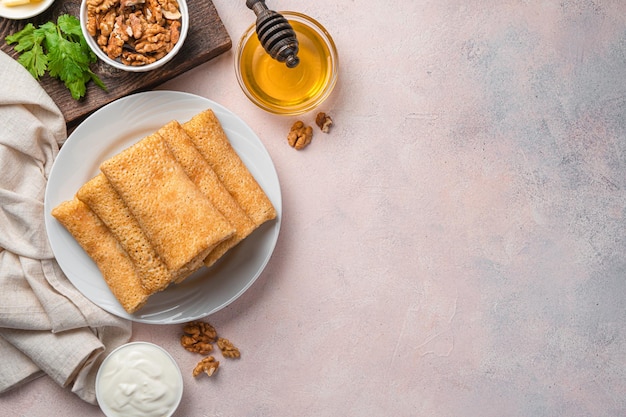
[279, 89]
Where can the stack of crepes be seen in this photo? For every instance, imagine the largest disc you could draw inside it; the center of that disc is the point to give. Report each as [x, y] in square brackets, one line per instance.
[174, 202]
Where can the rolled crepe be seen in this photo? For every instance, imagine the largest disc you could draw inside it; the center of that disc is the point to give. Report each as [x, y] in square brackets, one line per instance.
[102, 199]
[180, 222]
[207, 134]
[201, 173]
[102, 247]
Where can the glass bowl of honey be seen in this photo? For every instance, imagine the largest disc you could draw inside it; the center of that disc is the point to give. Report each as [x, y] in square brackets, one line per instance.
[278, 89]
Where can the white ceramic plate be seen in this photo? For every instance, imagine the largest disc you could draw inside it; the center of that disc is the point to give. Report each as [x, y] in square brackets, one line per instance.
[117, 126]
[25, 11]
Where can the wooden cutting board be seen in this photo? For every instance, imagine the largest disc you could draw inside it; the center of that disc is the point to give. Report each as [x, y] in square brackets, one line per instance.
[207, 38]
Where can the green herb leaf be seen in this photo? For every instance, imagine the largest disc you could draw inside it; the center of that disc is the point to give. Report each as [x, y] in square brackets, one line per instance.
[35, 61]
[97, 80]
[25, 38]
[61, 50]
[70, 25]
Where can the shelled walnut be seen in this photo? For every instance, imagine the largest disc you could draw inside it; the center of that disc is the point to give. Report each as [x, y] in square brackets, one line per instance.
[323, 121]
[137, 32]
[228, 349]
[208, 365]
[198, 337]
[300, 135]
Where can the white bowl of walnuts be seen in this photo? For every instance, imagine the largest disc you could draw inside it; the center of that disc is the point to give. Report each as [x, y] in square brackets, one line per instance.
[134, 35]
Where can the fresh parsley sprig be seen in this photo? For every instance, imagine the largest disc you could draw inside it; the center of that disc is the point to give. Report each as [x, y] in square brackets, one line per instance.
[61, 50]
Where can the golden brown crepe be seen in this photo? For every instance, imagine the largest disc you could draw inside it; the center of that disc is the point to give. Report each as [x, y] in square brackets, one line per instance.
[101, 246]
[177, 199]
[102, 199]
[201, 173]
[207, 134]
[180, 222]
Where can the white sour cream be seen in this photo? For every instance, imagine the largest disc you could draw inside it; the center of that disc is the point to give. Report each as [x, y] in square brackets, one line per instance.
[139, 379]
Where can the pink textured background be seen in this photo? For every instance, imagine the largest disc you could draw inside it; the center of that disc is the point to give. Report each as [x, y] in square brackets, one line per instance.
[455, 246]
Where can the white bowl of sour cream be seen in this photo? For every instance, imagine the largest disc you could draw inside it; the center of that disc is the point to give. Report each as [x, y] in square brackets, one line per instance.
[139, 379]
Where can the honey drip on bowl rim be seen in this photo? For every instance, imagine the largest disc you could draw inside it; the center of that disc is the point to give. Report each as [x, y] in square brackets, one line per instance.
[278, 86]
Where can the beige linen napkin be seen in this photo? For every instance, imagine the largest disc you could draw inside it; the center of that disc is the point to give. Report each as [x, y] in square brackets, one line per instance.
[46, 325]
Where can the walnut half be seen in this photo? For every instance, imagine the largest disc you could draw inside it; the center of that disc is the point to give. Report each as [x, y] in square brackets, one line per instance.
[228, 349]
[207, 365]
[323, 121]
[300, 135]
[198, 337]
